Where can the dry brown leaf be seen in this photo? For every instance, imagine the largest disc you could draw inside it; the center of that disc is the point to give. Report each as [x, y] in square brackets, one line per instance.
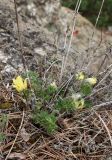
[6, 105]
[24, 135]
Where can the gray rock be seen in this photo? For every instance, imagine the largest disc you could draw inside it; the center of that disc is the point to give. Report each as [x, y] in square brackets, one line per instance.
[47, 26]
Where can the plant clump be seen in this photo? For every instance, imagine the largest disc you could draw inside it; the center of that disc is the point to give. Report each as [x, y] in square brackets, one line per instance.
[46, 105]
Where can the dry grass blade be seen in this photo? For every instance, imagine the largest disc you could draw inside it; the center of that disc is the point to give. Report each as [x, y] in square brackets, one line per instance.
[19, 37]
[71, 37]
[107, 130]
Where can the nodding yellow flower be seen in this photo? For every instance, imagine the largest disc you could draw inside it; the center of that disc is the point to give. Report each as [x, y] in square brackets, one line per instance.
[92, 80]
[79, 104]
[20, 84]
[80, 76]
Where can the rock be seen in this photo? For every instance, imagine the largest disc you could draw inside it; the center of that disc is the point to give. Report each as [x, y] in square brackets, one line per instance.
[109, 157]
[31, 37]
[44, 11]
[90, 44]
[40, 51]
[3, 58]
[45, 29]
[8, 69]
[110, 29]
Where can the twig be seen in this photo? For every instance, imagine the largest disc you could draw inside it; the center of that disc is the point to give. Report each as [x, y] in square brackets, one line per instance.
[105, 127]
[102, 105]
[22, 51]
[71, 37]
[19, 37]
[96, 23]
[49, 68]
[106, 75]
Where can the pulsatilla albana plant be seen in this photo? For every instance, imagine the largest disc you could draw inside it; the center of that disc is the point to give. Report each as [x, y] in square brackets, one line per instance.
[44, 95]
[77, 101]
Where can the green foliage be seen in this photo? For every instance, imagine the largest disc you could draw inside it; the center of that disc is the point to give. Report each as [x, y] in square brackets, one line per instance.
[3, 121]
[48, 93]
[44, 95]
[38, 106]
[35, 81]
[50, 90]
[66, 104]
[70, 104]
[90, 9]
[2, 137]
[88, 104]
[45, 120]
[86, 88]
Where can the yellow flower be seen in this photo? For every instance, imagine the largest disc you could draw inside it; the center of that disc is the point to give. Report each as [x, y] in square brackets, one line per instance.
[92, 80]
[80, 76]
[20, 84]
[79, 104]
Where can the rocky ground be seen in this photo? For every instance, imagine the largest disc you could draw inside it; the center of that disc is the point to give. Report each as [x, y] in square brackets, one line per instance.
[43, 33]
[44, 41]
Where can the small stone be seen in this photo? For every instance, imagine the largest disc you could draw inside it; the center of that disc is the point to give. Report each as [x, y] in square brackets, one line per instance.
[8, 69]
[3, 58]
[31, 9]
[40, 51]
